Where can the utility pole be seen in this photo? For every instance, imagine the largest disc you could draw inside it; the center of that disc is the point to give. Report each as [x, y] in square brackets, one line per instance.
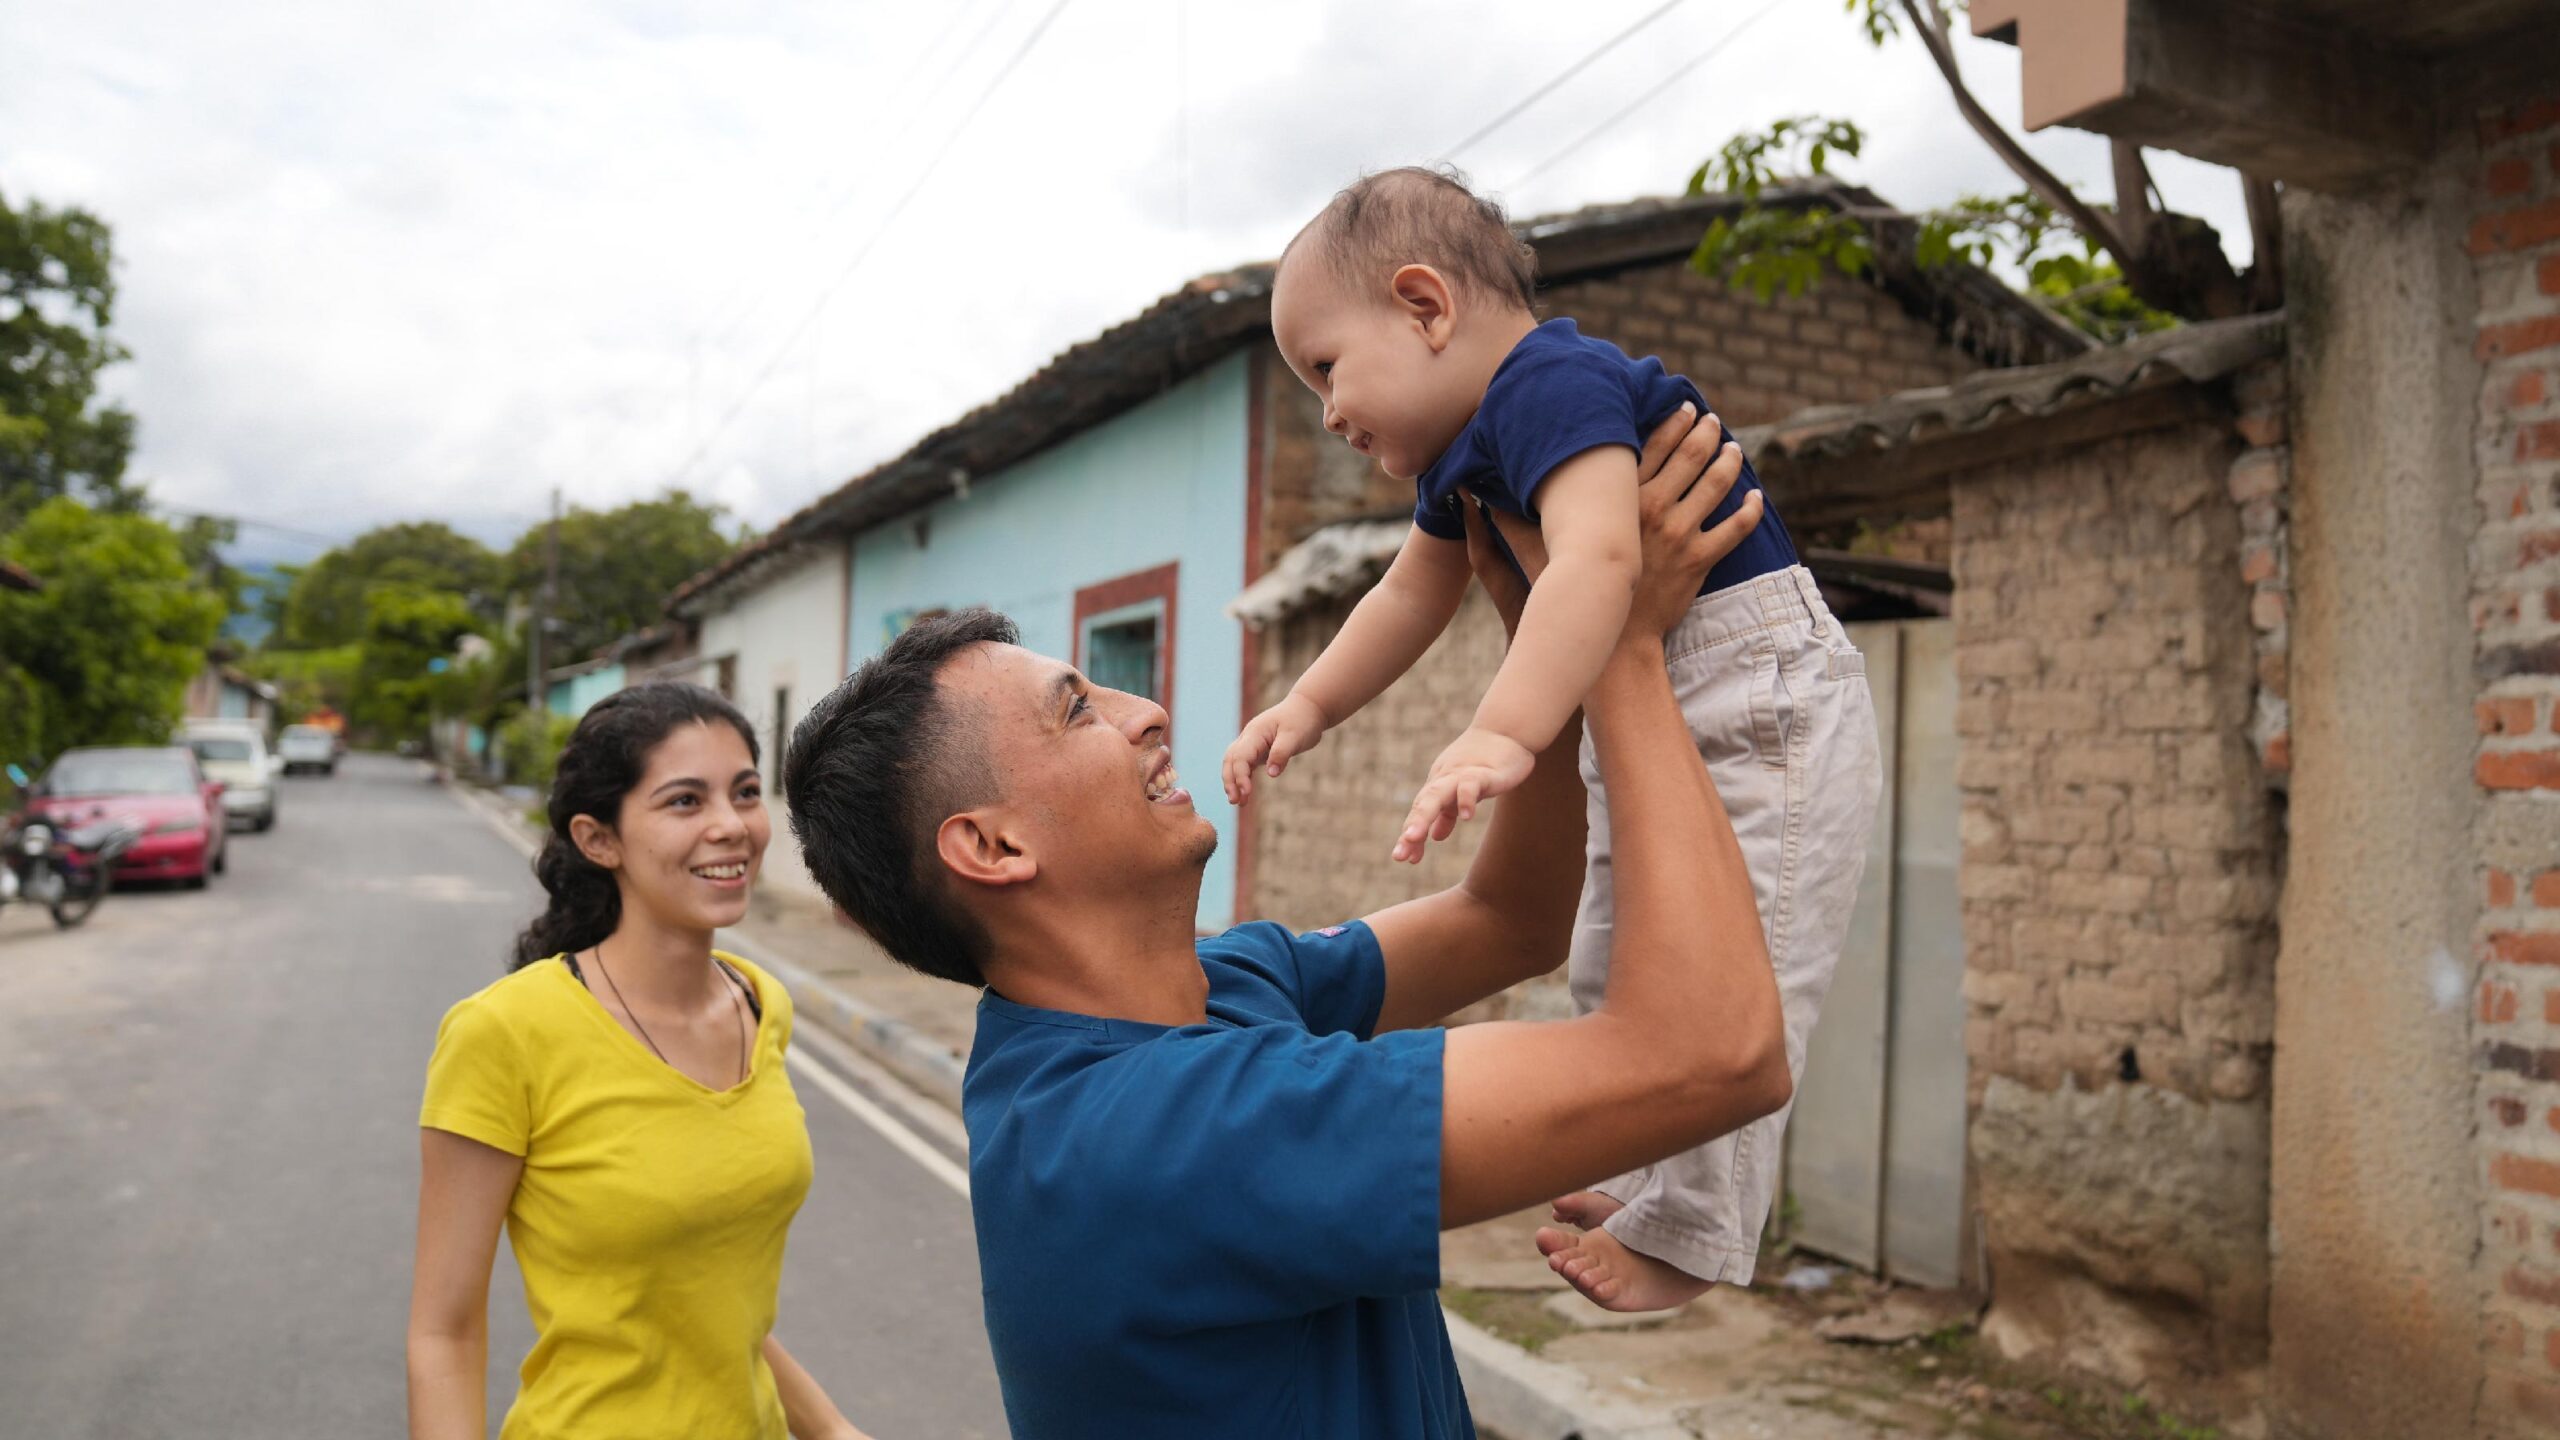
[538, 653]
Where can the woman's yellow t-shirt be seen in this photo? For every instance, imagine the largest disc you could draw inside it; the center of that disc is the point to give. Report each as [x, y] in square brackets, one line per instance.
[650, 1220]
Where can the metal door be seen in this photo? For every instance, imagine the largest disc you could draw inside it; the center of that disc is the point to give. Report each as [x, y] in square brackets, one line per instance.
[1875, 1148]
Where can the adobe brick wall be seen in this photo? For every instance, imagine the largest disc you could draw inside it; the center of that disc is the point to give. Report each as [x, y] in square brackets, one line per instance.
[2120, 875]
[2515, 243]
[1844, 342]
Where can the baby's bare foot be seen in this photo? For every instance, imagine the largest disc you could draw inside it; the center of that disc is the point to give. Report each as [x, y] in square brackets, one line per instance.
[1601, 1266]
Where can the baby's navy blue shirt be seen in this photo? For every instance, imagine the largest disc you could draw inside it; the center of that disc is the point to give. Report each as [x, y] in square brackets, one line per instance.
[1561, 392]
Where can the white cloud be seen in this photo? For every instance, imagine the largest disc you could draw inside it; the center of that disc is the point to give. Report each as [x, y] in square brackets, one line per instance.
[381, 262]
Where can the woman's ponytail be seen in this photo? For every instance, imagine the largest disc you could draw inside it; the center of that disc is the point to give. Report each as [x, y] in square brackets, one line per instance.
[602, 764]
[585, 904]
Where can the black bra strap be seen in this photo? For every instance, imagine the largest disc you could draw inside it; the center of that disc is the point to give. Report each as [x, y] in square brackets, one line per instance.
[755, 1006]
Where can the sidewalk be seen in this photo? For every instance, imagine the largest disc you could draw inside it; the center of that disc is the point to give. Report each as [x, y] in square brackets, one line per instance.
[1539, 1362]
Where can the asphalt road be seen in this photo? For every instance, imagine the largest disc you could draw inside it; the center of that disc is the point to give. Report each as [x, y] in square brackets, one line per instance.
[208, 1150]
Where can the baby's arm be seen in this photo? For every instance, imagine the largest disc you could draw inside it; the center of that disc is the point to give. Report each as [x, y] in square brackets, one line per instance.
[1587, 513]
[1388, 631]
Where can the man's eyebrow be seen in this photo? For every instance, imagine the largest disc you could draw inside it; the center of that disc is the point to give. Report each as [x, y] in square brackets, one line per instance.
[1061, 685]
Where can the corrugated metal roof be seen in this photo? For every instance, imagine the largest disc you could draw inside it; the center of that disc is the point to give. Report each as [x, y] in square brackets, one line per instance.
[2192, 354]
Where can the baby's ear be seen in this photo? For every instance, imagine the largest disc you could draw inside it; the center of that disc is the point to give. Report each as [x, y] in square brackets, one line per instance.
[1426, 300]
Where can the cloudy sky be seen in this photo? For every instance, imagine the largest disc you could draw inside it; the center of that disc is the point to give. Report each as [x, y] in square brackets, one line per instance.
[386, 262]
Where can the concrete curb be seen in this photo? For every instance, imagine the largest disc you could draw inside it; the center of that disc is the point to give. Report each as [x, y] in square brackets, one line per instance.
[1517, 1396]
[1513, 1394]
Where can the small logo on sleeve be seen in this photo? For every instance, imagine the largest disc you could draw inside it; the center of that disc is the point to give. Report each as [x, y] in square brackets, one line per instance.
[1330, 931]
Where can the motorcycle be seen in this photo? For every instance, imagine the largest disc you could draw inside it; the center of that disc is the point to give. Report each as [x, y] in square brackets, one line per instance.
[67, 872]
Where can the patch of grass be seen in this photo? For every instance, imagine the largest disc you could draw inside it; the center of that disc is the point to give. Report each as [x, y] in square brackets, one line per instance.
[1519, 1316]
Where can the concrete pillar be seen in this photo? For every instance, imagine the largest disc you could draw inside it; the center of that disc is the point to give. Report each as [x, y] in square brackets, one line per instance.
[2375, 1204]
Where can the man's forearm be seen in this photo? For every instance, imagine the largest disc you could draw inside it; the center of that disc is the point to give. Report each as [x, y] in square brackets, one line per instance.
[1678, 882]
[1529, 868]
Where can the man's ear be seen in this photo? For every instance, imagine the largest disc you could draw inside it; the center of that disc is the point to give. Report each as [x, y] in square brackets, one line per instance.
[975, 846]
[596, 841]
[1424, 299]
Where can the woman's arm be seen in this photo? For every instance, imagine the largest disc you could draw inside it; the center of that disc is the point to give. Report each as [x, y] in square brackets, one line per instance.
[464, 1188]
[805, 1405]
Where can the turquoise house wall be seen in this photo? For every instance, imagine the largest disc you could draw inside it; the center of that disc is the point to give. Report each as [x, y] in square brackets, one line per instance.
[1162, 482]
[572, 696]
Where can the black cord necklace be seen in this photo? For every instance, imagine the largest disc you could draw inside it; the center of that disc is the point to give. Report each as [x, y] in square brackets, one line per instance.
[634, 1017]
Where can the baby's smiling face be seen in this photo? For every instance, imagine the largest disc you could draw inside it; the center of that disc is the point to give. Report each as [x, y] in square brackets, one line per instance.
[1383, 364]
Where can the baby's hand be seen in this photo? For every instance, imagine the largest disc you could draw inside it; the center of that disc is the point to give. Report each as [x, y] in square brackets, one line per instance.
[1477, 766]
[1277, 735]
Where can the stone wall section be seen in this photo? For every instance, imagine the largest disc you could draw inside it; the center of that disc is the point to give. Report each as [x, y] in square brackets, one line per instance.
[2515, 245]
[2119, 883]
[2261, 485]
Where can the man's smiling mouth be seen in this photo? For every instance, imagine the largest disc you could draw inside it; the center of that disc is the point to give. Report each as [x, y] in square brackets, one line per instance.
[1163, 787]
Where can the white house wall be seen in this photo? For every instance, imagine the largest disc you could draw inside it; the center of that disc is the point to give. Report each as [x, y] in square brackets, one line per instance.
[787, 634]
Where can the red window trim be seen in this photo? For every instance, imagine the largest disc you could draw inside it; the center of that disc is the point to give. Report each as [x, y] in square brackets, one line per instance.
[1159, 583]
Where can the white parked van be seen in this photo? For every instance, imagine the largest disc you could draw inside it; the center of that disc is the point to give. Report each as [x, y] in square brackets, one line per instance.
[307, 747]
[235, 753]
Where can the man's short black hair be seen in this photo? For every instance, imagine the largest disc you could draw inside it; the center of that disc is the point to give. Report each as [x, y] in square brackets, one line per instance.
[874, 770]
[1418, 216]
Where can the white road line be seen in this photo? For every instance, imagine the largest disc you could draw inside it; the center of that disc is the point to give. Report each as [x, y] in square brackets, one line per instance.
[915, 1147]
[926, 1117]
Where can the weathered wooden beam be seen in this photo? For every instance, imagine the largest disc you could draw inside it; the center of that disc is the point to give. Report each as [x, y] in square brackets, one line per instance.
[2323, 106]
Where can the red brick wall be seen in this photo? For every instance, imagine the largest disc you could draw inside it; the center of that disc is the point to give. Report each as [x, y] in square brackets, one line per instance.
[2515, 241]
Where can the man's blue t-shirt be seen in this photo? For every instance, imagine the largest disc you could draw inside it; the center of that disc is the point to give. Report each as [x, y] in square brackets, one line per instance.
[1226, 1229]
[1561, 392]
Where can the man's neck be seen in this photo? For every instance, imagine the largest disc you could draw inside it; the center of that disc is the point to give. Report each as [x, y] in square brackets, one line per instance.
[1111, 962]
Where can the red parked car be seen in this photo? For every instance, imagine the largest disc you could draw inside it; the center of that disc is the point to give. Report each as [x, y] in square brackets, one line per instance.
[159, 786]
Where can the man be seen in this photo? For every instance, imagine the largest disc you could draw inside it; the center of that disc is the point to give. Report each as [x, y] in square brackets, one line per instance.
[1209, 1175]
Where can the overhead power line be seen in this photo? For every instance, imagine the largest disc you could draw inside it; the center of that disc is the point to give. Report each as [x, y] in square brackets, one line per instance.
[887, 222]
[1678, 73]
[256, 524]
[1549, 88]
[729, 313]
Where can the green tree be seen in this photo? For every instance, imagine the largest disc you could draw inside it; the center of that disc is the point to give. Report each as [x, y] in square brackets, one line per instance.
[202, 538]
[328, 603]
[119, 628]
[57, 296]
[407, 630]
[617, 566]
[2114, 271]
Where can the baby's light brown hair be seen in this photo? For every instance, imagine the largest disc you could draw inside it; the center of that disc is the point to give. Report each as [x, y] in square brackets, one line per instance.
[1417, 216]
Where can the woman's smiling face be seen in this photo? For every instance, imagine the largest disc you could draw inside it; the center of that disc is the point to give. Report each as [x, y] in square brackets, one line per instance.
[693, 831]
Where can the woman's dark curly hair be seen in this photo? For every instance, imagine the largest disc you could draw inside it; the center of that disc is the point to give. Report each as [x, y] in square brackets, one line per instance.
[603, 762]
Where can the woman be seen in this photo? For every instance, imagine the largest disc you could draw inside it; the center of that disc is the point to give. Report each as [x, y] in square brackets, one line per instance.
[619, 1102]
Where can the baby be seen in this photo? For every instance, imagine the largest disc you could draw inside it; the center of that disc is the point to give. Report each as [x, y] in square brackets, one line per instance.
[1408, 307]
